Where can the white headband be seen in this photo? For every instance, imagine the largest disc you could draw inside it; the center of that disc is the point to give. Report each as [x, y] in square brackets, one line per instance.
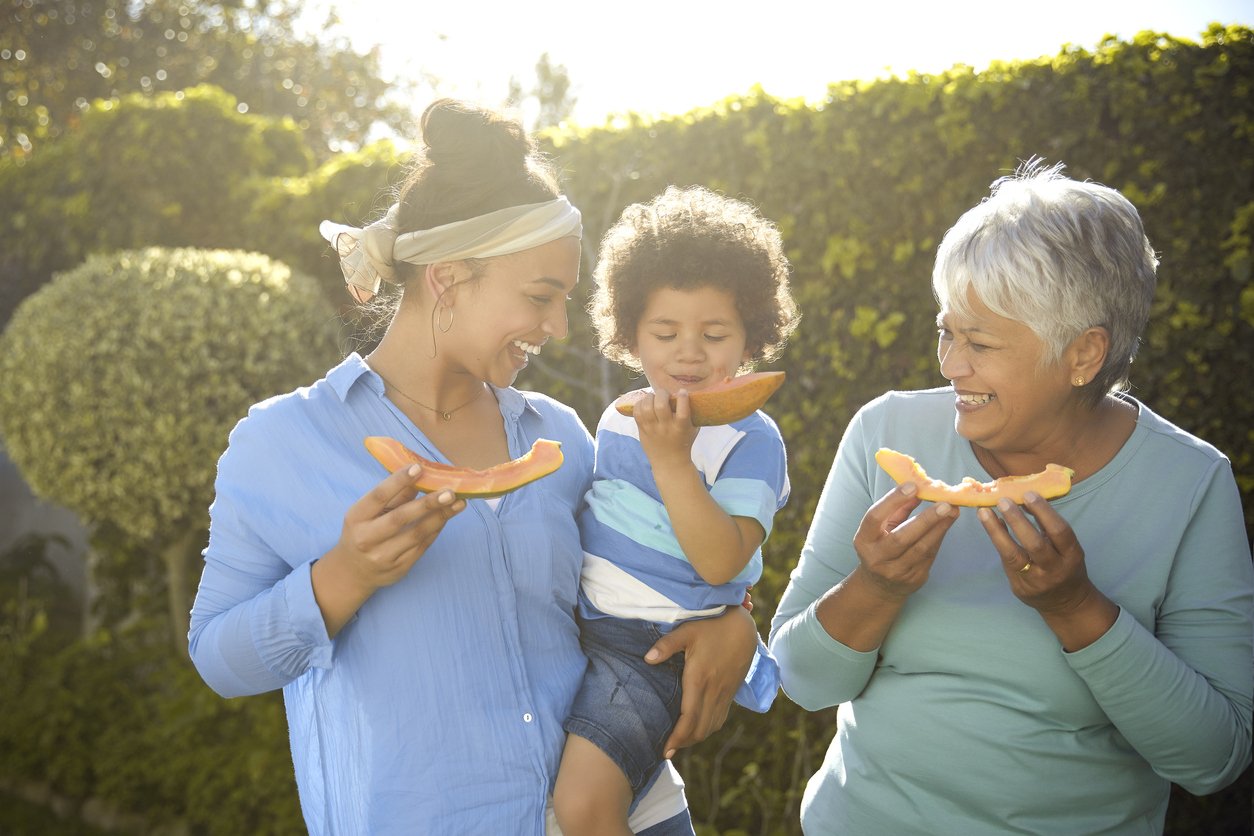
[368, 255]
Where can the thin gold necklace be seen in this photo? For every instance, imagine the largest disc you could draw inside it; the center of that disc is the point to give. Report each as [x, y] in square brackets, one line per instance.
[445, 414]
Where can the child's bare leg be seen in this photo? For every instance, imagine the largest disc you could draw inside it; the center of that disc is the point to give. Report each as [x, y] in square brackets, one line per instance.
[592, 795]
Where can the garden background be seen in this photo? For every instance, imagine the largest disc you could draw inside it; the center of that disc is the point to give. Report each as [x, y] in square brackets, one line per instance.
[123, 368]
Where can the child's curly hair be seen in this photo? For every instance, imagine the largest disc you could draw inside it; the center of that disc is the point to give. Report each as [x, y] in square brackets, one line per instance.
[688, 239]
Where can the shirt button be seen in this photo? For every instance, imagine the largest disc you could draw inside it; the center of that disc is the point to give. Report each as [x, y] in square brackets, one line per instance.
[527, 717]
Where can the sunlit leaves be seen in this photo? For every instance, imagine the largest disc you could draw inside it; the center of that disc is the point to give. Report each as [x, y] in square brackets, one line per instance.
[60, 55]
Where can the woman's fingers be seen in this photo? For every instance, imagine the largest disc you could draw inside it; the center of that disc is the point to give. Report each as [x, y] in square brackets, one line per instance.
[891, 509]
[706, 717]
[1014, 559]
[1043, 559]
[392, 525]
[702, 711]
[1019, 540]
[393, 491]
[417, 522]
[888, 523]
[925, 531]
[897, 550]
[1060, 535]
[717, 655]
[425, 507]
[1030, 538]
[884, 517]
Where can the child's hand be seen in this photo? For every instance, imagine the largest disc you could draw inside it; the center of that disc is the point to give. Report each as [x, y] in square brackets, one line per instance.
[666, 436]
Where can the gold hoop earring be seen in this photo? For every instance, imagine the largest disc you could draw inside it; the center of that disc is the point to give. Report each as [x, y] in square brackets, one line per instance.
[1079, 381]
[439, 319]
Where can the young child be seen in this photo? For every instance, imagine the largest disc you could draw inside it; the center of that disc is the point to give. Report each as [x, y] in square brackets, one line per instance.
[691, 288]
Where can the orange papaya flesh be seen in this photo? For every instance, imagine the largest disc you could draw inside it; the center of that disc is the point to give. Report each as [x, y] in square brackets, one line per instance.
[1052, 482]
[725, 402]
[543, 458]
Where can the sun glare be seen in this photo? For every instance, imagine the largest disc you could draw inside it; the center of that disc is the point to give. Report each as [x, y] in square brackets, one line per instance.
[653, 57]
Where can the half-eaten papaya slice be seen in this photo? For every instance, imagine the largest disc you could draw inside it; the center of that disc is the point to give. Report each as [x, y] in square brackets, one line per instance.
[725, 402]
[543, 458]
[1051, 483]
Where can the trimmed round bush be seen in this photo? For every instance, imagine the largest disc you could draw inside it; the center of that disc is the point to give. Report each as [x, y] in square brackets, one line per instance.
[124, 376]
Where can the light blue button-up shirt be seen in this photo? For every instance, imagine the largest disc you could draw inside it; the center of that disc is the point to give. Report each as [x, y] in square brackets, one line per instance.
[438, 708]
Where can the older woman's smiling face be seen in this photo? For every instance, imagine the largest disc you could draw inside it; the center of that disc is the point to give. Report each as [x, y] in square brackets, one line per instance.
[1006, 400]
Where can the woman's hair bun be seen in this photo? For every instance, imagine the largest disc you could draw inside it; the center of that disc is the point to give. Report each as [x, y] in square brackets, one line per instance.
[458, 134]
[474, 161]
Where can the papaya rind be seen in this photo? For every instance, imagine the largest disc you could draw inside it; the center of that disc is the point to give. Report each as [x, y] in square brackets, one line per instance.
[1052, 482]
[726, 402]
[544, 457]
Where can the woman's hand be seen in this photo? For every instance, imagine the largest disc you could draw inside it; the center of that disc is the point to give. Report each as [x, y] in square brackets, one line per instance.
[895, 551]
[384, 534]
[717, 655]
[666, 436]
[1046, 569]
[895, 556]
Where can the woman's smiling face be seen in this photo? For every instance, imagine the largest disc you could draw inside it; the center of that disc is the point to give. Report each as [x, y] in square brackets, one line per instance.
[1007, 401]
[518, 305]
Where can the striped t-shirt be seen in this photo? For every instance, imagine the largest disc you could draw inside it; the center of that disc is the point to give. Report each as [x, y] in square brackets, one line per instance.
[633, 565]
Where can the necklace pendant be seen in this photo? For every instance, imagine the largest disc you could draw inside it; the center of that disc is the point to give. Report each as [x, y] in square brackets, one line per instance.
[447, 416]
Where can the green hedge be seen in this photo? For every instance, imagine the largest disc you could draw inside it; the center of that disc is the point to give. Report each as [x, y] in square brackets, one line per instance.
[864, 186]
[122, 719]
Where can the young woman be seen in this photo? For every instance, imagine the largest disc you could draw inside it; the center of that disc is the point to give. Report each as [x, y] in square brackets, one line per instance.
[427, 646]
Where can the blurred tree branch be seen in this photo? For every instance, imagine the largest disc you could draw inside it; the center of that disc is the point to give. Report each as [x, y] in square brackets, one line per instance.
[550, 94]
[59, 55]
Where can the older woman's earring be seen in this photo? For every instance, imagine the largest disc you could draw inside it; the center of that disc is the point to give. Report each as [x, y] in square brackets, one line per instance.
[439, 320]
[1079, 381]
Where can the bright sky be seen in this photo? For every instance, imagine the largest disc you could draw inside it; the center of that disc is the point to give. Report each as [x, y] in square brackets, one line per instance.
[668, 56]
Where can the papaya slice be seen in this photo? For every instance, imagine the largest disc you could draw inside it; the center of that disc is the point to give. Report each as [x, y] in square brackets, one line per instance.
[725, 402]
[543, 458]
[1052, 482]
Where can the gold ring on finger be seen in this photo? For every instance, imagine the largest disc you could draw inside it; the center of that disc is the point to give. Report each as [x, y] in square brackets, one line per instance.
[1025, 568]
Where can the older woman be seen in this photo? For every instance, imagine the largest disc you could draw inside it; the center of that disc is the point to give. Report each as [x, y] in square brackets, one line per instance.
[1050, 668]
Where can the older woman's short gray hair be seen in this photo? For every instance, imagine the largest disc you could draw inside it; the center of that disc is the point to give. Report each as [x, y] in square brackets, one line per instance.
[1058, 255]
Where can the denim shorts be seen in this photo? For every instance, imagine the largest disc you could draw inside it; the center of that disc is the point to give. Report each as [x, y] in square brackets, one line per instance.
[625, 706]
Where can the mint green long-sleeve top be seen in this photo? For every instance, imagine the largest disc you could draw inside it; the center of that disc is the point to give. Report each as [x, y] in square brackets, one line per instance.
[970, 718]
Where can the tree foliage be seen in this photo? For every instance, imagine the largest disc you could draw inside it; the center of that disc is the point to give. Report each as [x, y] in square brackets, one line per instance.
[550, 94]
[58, 56]
[124, 376]
[181, 169]
[173, 169]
